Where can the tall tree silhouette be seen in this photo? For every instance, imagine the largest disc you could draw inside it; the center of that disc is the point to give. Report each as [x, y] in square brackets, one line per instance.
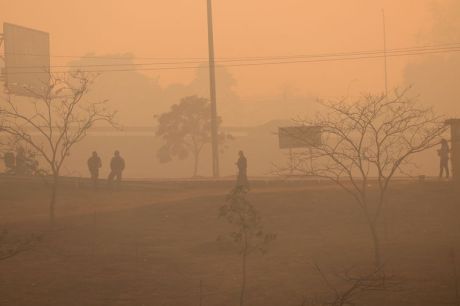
[186, 129]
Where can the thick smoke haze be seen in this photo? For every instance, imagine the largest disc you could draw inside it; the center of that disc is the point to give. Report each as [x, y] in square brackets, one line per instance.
[229, 153]
[435, 77]
[243, 29]
[98, 35]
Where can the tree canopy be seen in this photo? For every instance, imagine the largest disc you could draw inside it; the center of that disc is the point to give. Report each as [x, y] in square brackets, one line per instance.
[186, 129]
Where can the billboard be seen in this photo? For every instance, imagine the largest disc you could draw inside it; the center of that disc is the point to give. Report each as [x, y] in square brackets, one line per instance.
[299, 137]
[27, 60]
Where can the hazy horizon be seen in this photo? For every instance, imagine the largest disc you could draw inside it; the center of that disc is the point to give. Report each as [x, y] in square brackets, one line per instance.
[143, 29]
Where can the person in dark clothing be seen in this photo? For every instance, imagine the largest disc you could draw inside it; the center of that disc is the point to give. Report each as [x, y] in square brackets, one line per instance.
[242, 164]
[117, 165]
[21, 162]
[94, 164]
[443, 153]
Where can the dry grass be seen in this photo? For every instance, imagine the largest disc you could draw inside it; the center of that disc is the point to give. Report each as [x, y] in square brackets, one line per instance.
[153, 245]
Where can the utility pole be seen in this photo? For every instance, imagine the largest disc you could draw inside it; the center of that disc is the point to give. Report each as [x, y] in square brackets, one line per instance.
[385, 51]
[212, 80]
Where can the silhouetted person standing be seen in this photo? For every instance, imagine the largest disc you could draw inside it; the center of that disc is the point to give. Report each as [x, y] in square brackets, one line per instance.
[242, 164]
[117, 165]
[21, 162]
[94, 164]
[443, 153]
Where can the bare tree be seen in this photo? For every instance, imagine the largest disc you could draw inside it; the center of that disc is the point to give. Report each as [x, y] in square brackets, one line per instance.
[249, 235]
[372, 139]
[54, 120]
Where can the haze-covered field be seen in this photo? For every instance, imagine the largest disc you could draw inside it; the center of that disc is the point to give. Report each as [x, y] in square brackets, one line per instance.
[157, 243]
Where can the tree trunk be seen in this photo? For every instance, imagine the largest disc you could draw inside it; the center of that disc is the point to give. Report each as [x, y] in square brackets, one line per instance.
[243, 280]
[375, 237]
[54, 189]
[376, 242]
[195, 165]
[243, 276]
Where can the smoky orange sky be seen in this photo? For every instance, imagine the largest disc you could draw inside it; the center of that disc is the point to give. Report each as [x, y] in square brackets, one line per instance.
[177, 28]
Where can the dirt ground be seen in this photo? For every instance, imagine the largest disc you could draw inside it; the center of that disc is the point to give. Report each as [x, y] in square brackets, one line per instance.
[154, 244]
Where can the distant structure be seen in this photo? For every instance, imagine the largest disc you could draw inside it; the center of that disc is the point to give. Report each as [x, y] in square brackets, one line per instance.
[299, 137]
[455, 148]
[293, 137]
[26, 58]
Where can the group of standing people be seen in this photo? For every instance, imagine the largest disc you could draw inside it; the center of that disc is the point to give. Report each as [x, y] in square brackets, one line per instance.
[117, 165]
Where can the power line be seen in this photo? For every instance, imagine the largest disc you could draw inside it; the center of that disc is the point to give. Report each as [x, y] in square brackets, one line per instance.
[333, 59]
[319, 55]
[225, 59]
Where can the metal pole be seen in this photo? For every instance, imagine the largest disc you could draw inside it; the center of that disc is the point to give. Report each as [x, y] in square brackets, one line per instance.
[455, 148]
[385, 51]
[212, 80]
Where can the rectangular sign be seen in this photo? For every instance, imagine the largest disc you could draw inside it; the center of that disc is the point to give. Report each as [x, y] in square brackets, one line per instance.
[299, 137]
[27, 60]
